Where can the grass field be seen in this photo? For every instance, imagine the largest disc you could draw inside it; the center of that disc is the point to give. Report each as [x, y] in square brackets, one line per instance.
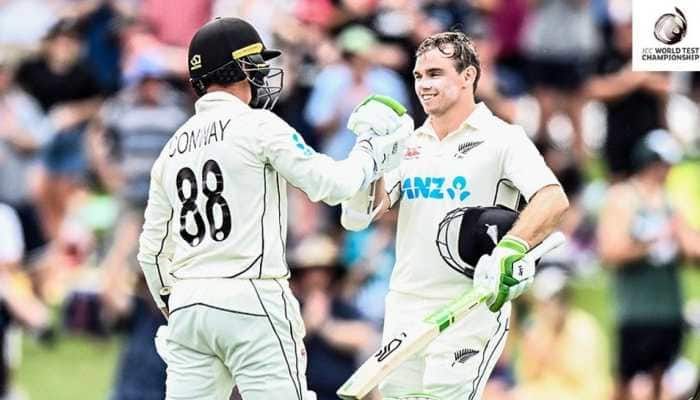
[73, 368]
[79, 368]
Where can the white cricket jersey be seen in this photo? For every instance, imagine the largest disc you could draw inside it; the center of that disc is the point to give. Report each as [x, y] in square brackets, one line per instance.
[217, 205]
[437, 176]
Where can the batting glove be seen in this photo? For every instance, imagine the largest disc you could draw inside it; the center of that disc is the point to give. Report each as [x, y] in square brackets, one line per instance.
[378, 116]
[506, 272]
[382, 126]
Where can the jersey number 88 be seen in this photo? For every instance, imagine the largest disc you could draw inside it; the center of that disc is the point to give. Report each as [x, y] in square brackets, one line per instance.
[189, 204]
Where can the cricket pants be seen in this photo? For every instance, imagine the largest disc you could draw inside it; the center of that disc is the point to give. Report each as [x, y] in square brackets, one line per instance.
[226, 332]
[457, 364]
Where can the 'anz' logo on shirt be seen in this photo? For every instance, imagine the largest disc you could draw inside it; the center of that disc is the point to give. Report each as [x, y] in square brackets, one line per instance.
[434, 187]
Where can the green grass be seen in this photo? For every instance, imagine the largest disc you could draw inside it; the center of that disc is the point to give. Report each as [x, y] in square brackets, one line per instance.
[691, 287]
[73, 368]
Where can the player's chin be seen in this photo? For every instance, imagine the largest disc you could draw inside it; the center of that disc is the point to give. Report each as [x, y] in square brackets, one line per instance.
[426, 103]
[430, 107]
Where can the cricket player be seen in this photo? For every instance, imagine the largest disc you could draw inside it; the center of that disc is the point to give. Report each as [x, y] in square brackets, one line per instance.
[460, 157]
[213, 242]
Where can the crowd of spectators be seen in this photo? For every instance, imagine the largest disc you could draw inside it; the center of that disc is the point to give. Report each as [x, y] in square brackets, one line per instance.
[90, 90]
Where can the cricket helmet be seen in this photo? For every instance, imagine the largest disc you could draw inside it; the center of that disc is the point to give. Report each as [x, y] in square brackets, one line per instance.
[228, 50]
[467, 233]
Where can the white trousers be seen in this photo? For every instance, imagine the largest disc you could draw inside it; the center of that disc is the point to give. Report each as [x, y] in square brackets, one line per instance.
[457, 364]
[226, 332]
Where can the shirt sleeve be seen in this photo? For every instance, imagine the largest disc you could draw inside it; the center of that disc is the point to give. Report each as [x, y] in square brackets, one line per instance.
[525, 166]
[156, 246]
[319, 176]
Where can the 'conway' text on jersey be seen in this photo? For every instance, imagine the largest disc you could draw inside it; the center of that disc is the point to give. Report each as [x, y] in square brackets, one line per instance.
[186, 141]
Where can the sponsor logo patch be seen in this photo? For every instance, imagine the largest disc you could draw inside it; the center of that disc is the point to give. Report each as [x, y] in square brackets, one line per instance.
[390, 347]
[195, 62]
[435, 187]
[412, 152]
[301, 145]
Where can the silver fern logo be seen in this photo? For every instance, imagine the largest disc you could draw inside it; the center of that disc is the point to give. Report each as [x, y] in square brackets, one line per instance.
[463, 148]
[461, 356]
[671, 28]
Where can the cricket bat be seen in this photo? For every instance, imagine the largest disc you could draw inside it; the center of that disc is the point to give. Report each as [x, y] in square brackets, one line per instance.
[390, 355]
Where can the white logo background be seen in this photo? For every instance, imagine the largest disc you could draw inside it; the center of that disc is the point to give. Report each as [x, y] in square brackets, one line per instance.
[649, 54]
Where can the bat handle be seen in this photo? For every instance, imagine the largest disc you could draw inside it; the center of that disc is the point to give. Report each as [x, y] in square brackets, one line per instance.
[551, 242]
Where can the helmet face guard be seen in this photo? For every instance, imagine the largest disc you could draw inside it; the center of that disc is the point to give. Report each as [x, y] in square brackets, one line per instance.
[447, 242]
[265, 82]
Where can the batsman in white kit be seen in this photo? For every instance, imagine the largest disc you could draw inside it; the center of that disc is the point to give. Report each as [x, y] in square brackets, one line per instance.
[457, 167]
[213, 242]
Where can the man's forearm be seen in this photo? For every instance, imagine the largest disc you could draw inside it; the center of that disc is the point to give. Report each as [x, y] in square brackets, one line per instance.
[542, 215]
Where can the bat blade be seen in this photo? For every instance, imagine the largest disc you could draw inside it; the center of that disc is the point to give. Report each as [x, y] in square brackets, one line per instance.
[408, 343]
[386, 359]
[413, 340]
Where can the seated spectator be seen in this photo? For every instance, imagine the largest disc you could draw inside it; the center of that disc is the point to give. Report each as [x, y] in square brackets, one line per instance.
[56, 77]
[67, 91]
[336, 334]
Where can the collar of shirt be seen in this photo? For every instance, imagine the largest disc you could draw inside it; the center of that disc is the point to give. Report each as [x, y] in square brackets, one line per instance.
[215, 99]
[477, 120]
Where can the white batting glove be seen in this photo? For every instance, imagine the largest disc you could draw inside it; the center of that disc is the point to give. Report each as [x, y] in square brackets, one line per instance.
[382, 126]
[377, 116]
[506, 273]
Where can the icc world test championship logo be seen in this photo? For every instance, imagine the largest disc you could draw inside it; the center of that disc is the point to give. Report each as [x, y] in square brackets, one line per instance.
[670, 28]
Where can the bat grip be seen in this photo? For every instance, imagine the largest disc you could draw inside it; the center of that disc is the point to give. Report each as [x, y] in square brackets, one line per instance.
[551, 242]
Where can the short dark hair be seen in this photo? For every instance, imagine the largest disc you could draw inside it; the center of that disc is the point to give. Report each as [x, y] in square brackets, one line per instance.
[456, 46]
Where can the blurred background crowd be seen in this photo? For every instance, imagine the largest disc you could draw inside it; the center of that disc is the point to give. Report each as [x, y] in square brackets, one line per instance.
[90, 90]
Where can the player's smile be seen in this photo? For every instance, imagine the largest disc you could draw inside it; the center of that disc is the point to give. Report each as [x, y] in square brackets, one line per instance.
[426, 98]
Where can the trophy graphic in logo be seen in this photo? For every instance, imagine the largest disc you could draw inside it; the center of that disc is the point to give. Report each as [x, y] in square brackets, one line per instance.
[671, 28]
